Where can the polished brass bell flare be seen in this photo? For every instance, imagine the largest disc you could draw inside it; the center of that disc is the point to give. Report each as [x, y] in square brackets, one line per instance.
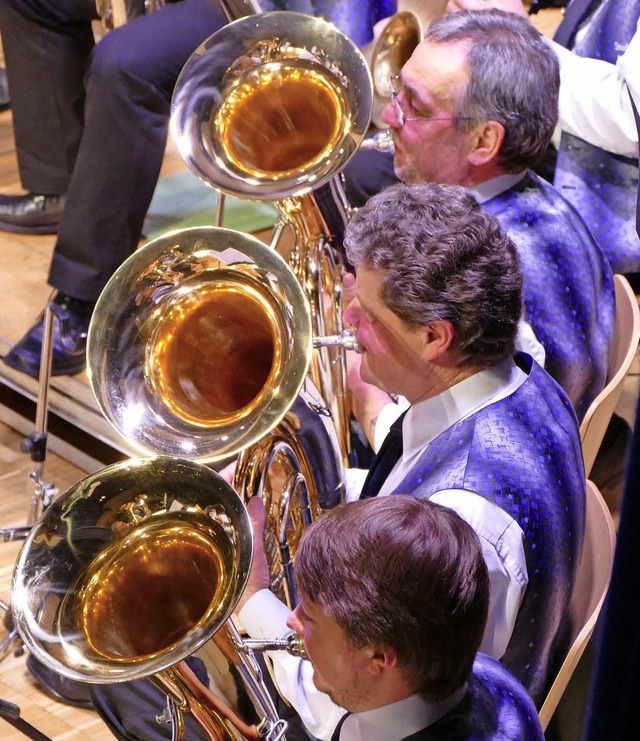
[271, 106]
[132, 570]
[152, 587]
[281, 119]
[199, 344]
[215, 352]
[392, 50]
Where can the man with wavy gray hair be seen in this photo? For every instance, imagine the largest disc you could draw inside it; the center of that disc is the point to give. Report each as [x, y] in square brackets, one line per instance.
[435, 312]
[476, 105]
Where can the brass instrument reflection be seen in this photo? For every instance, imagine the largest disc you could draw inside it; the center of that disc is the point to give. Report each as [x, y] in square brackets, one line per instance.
[280, 118]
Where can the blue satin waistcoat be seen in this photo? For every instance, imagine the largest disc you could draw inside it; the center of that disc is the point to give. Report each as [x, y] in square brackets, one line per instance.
[602, 185]
[523, 454]
[355, 19]
[495, 708]
[569, 297]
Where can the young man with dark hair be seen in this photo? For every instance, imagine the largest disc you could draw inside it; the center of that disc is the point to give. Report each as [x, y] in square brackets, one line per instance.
[394, 595]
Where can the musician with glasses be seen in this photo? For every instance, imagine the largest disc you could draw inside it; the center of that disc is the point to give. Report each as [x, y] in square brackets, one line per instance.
[476, 105]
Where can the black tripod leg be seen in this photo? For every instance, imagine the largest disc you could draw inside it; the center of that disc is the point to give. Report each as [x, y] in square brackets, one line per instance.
[11, 714]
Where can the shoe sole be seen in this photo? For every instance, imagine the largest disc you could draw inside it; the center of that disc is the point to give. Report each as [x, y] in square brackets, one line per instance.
[19, 229]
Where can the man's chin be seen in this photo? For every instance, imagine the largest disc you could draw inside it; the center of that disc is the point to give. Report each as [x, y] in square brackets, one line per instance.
[329, 692]
[364, 372]
[320, 685]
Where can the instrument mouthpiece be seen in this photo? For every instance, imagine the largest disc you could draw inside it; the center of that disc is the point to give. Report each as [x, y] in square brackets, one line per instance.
[346, 339]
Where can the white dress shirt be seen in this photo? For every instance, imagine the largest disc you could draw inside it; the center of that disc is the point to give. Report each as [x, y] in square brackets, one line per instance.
[501, 537]
[398, 720]
[264, 616]
[502, 540]
[594, 101]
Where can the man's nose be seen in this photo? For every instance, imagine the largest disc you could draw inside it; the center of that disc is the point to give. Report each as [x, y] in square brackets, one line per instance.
[294, 622]
[389, 115]
[350, 314]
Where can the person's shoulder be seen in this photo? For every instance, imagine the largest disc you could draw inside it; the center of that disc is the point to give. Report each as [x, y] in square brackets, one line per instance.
[537, 211]
[500, 705]
[495, 707]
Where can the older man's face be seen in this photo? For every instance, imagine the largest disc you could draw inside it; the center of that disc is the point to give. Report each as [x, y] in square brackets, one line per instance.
[390, 349]
[431, 150]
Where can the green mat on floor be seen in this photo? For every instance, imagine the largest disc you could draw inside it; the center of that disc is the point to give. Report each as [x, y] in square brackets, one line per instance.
[181, 201]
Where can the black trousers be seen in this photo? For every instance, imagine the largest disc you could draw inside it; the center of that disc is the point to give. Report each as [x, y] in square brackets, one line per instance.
[91, 120]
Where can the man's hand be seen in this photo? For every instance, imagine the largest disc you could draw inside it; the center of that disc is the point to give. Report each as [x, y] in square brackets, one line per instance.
[259, 574]
[228, 472]
[511, 6]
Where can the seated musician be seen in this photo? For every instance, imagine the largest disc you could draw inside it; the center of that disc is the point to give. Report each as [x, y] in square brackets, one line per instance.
[490, 435]
[394, 596]
[458, 118]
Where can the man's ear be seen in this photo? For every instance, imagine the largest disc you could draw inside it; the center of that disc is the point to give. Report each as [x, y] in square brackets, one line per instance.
[382, 660]
[489, 138]
[438, 336]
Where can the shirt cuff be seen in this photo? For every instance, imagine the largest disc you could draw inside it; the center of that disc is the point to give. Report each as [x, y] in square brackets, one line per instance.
[264, 616]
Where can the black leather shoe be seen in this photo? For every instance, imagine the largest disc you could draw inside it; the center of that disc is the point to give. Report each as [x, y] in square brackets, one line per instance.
[70, 326]
[69, 691]
[31, 214]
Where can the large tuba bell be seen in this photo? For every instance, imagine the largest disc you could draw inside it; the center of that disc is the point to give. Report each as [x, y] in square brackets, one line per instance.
[271, 107]
[199, 343]
[131, 571]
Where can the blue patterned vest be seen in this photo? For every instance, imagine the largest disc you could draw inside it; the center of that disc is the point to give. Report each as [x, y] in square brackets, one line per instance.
[495, 708]
[601, 185]
[569, 297]
[523, 454]
[355, 19]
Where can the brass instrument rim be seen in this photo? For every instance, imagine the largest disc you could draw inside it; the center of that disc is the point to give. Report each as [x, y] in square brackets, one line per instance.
[404, 24]
[201, 86]
[46, 566]
[116, 351]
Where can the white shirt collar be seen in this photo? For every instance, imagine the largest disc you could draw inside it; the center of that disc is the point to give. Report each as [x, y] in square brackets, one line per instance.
[427, 419]
[483, 192]
[397, 720]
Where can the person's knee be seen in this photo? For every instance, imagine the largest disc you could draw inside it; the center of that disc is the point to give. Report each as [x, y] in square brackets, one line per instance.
[111, 59]
[119, 77]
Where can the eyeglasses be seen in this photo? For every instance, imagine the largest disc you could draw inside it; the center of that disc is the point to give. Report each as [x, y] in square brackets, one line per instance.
[395, 88]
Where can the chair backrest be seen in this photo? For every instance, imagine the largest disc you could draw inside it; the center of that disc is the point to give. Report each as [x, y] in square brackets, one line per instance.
[588, 593]
[621, 354]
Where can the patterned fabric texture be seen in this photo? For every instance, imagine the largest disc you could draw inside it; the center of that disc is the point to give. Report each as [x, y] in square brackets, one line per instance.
[523, 454]
[496, 708]
[355, 19]
[603, 186]
[569, 297]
